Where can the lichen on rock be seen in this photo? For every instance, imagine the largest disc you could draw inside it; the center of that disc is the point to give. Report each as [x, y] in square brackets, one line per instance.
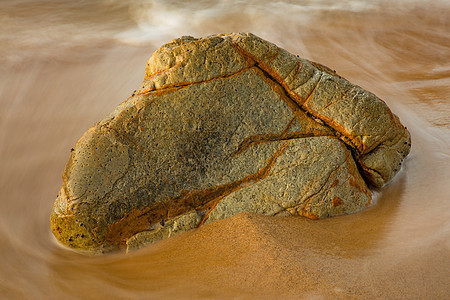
[221, 125]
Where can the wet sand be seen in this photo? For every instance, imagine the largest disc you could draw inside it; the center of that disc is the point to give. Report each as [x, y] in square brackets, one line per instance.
[399, 248]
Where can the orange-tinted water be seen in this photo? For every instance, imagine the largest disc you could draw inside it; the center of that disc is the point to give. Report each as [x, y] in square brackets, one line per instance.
[65, 66]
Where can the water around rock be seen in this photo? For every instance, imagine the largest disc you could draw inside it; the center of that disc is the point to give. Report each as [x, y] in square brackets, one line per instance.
[221, 125]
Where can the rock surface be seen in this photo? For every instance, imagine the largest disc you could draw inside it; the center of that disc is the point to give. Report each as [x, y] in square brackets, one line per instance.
[221, 125]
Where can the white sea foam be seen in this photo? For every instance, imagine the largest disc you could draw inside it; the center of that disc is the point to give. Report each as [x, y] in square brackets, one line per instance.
[160, 19]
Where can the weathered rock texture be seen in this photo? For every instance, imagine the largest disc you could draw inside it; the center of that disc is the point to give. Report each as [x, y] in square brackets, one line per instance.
[221, 125]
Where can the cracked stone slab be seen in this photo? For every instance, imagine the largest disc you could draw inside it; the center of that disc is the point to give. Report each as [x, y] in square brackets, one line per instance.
[221, 125]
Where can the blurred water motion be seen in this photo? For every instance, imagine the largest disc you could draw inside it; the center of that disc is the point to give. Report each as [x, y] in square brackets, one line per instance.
[67, 64]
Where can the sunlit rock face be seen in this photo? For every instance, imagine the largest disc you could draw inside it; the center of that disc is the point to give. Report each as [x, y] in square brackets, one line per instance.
[221, 125]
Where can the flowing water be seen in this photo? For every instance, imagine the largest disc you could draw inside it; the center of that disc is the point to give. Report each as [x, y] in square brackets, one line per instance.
[66, 64]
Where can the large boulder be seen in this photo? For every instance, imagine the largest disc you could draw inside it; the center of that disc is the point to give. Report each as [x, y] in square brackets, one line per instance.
[221, 125]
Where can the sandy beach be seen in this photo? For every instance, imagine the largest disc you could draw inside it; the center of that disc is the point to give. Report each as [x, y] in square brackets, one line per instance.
[53, 88]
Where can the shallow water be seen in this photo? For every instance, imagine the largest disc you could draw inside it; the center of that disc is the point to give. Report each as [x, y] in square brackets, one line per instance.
[65, 66]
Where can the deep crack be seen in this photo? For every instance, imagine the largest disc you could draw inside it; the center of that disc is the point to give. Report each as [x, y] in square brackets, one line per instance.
[287, 92]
